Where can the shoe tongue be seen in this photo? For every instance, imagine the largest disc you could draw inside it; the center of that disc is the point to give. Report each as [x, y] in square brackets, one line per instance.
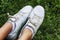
[13, 19]
[31, 25]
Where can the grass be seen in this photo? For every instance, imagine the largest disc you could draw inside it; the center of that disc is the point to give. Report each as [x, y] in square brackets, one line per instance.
[50, 29]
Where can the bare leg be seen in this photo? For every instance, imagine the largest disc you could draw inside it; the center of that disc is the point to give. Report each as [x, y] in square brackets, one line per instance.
[4, 30]
[26, 35]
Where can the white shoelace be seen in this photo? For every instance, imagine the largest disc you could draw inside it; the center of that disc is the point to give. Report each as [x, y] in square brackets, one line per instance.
[34, 20]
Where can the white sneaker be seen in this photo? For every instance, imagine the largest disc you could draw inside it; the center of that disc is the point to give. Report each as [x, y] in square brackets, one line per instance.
[35, 20]
[18, 20]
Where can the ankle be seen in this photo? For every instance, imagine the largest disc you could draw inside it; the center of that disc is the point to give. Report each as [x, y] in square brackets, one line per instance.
[26, 35]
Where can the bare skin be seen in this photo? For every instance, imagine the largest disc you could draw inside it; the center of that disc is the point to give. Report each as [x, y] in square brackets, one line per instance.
[26, 35]
[5, 30]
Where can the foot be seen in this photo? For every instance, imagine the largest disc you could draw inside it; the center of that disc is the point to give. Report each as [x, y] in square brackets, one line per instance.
[17, 21]
[35, 20]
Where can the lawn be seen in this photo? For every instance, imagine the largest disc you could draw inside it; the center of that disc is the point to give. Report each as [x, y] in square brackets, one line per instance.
[50, 29]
